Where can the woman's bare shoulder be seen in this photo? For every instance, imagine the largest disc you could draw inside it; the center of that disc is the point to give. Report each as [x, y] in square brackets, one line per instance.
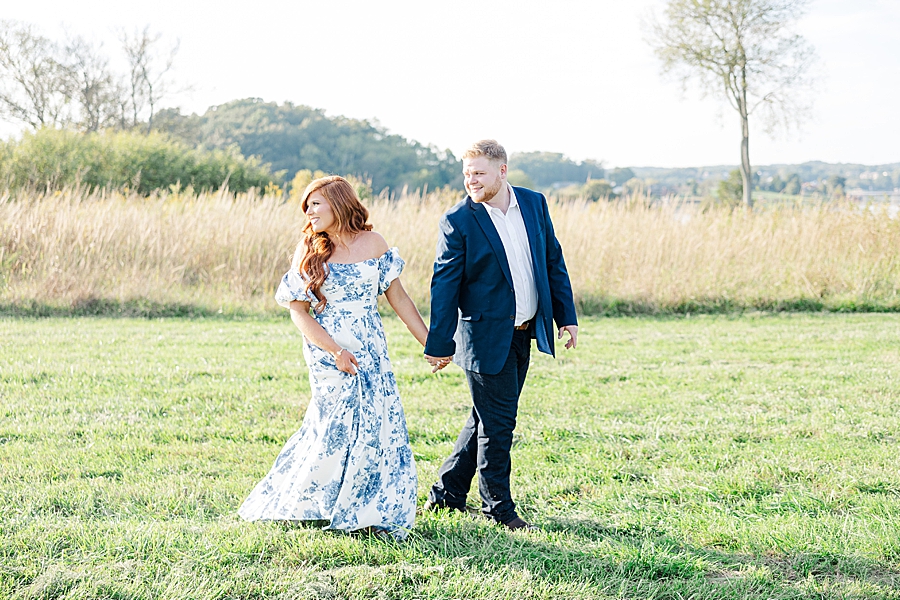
[372, 244]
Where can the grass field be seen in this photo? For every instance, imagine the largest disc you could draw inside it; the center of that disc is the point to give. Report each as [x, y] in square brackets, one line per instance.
[702, 457]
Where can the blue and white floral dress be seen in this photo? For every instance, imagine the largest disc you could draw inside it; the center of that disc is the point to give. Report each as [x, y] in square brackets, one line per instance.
[350, 463]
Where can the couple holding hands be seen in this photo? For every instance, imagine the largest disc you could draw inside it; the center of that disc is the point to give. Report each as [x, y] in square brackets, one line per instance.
[499, 281]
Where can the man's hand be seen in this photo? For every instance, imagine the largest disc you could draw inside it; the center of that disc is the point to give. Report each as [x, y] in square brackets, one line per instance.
[573, 335]
[438, 362]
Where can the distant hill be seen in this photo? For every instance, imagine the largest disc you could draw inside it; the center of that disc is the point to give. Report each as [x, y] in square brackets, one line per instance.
[293, 137]
[553, 171]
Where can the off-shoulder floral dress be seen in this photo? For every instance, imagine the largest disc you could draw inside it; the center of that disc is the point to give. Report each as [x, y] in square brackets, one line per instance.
[350, 463]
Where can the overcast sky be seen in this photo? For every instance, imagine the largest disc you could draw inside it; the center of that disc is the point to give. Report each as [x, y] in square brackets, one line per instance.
[571, 76]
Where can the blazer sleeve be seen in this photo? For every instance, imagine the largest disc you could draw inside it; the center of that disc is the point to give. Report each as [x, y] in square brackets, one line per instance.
[446, 282]
[560, 287]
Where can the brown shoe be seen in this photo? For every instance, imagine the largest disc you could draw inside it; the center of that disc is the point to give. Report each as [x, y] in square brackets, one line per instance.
[521, 524]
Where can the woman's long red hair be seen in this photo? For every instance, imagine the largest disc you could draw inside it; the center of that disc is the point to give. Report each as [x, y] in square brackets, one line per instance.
[314, 250]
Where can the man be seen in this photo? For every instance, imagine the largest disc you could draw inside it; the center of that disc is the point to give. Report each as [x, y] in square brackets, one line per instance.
[499, 282]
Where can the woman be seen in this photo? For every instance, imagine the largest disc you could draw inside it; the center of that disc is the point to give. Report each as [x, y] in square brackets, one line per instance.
[350, 463]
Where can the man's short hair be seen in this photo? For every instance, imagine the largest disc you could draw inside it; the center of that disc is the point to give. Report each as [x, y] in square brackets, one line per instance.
[488, 148]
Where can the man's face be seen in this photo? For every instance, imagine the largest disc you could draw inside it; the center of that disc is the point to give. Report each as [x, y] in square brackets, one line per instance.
[484, 177]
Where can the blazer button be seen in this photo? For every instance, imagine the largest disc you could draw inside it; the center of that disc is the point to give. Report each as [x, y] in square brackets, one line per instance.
[512, 317]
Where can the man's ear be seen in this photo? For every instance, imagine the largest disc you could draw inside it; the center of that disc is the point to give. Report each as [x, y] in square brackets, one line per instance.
[503, 171]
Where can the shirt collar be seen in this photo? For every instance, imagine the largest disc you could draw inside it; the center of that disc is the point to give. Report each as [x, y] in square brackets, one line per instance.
[513, 201]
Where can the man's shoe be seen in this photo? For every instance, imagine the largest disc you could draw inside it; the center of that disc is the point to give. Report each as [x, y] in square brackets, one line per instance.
[519, 523]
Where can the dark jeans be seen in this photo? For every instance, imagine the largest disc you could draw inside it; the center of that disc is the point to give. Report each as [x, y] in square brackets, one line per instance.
[486, 438]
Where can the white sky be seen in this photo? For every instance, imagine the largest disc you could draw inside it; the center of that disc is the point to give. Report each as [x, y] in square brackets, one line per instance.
[571, 76]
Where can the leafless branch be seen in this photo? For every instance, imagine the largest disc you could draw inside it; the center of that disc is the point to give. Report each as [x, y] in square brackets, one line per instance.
[34, 84]
[150, 68]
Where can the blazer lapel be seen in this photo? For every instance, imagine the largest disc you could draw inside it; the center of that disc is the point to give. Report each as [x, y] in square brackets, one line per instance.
[531, 227]
[484, 220]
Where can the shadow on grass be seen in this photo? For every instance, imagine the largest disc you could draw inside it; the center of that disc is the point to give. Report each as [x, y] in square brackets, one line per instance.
[635, 561]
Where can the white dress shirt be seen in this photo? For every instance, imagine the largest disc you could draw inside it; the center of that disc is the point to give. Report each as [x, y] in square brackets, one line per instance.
[511, 228]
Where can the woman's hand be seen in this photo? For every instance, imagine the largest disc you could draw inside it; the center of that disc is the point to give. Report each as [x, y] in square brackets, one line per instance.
[346, 362]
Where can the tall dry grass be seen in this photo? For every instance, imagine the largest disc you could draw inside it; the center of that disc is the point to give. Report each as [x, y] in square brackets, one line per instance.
[74, 251]
[678, 258]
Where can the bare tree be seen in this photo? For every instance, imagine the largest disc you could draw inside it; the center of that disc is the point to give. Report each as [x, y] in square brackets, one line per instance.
[43, 83]
[34, 83]
[148, 79]
[93, 86]
[744, 48]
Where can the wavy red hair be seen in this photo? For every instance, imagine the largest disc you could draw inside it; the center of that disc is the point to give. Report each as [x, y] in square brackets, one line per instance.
[314, 250]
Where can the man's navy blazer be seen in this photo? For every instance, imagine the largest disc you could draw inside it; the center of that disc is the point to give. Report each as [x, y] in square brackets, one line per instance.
[473, 305]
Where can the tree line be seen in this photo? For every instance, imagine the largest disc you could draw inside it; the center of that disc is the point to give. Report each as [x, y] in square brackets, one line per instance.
[143, 162]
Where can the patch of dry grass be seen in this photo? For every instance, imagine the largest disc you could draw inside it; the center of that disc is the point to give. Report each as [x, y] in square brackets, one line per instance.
[222, 251]
[681, 258]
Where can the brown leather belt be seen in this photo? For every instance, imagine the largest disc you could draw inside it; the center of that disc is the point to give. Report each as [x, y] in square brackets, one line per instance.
[523, 326]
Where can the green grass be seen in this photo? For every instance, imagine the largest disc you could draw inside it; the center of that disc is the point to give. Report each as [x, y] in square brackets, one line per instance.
[712, 457]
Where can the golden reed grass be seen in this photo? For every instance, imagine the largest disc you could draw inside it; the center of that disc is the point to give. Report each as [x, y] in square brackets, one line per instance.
[225, 252]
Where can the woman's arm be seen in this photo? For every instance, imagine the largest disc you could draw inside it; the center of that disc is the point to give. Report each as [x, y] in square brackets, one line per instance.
[406, 310]
[316, 335]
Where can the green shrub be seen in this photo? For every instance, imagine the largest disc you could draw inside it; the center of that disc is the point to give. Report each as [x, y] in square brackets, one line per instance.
[56, 158]
[597, 189]
[731, 190]
[520, 178]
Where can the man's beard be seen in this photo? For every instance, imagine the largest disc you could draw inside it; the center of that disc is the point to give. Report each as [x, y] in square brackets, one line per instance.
[490, 192]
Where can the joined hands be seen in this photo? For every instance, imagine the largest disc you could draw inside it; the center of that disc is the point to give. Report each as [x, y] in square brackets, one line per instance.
[438, 362]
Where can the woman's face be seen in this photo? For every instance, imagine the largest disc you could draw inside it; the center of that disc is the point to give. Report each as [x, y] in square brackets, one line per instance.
[319, 213]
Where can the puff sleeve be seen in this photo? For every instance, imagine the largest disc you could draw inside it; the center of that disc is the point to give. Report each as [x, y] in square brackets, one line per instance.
[390, 265]
[292, 287]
